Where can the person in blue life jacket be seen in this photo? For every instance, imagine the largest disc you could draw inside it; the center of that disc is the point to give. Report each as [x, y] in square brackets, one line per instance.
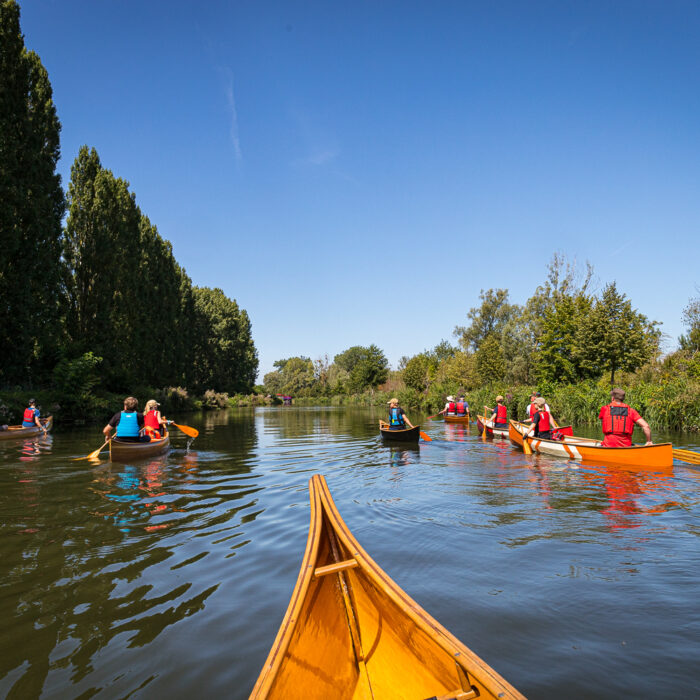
[397, 416]
[128, 423]
[31, 416]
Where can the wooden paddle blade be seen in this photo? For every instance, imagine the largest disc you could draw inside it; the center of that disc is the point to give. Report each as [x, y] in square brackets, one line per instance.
[687, 456]
[425, 436]
[93, 455]
[526, 447]
[192, 432]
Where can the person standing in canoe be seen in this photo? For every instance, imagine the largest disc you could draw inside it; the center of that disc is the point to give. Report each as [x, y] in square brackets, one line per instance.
[129, 423]
[462, 407]
[618, 421]
[500, 413]
[450, 408]
[397, 416]
[154, 423]
[31, 416]
[541, 421]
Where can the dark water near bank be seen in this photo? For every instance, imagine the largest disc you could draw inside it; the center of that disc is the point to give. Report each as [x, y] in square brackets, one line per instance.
[169, 578]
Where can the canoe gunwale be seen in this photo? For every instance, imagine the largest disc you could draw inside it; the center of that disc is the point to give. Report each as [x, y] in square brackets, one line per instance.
[138, 450]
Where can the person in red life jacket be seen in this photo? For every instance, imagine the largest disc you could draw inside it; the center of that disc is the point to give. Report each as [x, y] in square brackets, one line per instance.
[541, 421]
[450, 407]
[530, 410]
[461, 407]
[618, 421]
[128, 423]
[500, 414]
[397, 416]
[154, 423]
[31, 416]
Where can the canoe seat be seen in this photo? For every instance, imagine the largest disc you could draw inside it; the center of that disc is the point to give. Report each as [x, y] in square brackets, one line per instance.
[334, 568]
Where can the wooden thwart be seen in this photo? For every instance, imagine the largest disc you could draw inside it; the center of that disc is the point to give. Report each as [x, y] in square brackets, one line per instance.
[334, 568]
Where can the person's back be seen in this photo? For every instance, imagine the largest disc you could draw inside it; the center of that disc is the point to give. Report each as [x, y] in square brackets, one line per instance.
[128, 423]
[31, 415]
[618, 420]
[500, 414]
[462, 407]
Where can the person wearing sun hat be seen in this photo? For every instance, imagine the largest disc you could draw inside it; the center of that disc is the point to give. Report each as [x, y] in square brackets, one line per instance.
[449, 409]
[397, 416]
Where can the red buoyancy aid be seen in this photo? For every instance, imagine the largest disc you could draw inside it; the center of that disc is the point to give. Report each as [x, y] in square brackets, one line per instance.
[460, 408]
[501, 413]
[616, 420]
[544, 423]
[150, 421]
[451, 407]
[28, 415]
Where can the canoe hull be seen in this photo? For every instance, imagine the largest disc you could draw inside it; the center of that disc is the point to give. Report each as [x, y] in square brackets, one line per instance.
[133, 451]
[490, 430]
[590, 451]
[17, 431]
[457, 419]
[351, 633]
[407, 435]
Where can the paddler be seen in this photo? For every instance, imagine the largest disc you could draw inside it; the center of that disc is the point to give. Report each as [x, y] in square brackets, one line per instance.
[499, 417]
[397, 416]
[618, 421]
[450, 408]
[129, 423]
[31, 416]
[461, 407]
[154, 423]
[541, 421]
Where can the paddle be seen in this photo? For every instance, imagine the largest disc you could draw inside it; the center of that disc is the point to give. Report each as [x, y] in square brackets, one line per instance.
[526, 447]
[192, 432]
[483, 433]
[93, 455]
[686, 456]
[425, 436]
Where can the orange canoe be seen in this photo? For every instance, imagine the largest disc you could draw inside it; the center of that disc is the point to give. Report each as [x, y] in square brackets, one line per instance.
[589, 450]
[350, 633]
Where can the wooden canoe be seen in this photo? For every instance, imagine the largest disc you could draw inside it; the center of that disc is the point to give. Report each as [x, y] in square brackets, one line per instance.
[133, 451]
[405, 435]
[350, 633]
[457, 419]
[17, 431]
[591, 451]
[490, 430]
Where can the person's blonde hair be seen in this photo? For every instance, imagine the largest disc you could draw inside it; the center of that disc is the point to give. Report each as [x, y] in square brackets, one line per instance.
[151, 405]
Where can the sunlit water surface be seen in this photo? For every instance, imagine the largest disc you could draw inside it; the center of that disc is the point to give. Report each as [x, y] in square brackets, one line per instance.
[169, 578]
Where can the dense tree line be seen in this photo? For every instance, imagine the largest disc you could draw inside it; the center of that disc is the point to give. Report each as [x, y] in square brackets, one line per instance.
[102, 294]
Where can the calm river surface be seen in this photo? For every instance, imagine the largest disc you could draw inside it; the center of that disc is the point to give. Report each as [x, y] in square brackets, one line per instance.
[170, 577]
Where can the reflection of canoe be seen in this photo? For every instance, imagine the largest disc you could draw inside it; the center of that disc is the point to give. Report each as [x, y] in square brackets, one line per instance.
[351, 633]
[17, 431]
[490, 430]
[406, 435]
[457, 419]
[590, 450]
[128, 451]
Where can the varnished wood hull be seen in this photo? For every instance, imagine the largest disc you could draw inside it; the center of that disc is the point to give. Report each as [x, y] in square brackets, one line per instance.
[591, 451]
[350, 633]
[133, 451]
[17, 431]
[407, 435]
[490, 430]
[457, 419]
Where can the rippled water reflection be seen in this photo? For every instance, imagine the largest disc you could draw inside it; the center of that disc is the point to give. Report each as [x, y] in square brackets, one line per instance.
[170, 577]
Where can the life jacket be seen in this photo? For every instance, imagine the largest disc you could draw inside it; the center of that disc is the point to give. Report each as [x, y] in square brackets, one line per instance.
[128, 425]
[616, 420]
[544, 424]
[451, 407]
[501, 413]
[151, 421]
[533, 409]
[28, 418]
[396, 417]
[461, 411]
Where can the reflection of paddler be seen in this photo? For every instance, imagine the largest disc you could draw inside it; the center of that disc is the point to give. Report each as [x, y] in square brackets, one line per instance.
[618, 421]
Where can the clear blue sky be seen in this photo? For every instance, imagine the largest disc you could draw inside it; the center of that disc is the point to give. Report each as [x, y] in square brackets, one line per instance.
[355, 173]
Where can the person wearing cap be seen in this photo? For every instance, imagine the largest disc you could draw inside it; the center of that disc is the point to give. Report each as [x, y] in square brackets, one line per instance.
[618, 421]
[530, 410]
[450, 408]
[31, 416]
[541, 421]
[397, 416]
[153, 422]
[461, 407]
[499, 417]
[128, 423]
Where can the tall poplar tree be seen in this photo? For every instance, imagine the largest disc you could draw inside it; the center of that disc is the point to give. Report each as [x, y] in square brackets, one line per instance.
[31, 208]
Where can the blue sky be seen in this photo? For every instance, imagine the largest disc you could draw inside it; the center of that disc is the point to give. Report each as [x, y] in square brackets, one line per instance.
[355, 173]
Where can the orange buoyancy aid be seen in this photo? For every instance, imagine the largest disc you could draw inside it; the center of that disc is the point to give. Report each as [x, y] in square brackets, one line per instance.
[501, 413]
[544, 423]
[150, 420]
[461, 411]
[451, 407]
[616, 420]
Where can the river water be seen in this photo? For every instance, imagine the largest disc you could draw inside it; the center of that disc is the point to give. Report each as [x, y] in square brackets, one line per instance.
[170, 577]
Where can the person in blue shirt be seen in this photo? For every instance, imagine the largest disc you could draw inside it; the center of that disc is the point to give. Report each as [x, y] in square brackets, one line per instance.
[128, 423]
[31, 416]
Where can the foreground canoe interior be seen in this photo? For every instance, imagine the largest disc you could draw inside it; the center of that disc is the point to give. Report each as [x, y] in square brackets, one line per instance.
[351, 632]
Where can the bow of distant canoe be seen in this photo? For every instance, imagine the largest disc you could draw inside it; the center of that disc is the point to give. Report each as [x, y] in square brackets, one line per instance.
[405, 435]
[350, 632]
[17, 431]
[457, 419]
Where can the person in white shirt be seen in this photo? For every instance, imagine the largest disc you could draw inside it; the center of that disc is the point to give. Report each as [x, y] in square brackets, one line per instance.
[531, 409]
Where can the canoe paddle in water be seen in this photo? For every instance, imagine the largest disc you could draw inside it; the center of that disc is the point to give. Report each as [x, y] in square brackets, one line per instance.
[95, 454]
[192, 432]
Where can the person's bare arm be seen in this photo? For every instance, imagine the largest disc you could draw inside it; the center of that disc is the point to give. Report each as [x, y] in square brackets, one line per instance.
[646, 429]
[107, 430]
[405, 417]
